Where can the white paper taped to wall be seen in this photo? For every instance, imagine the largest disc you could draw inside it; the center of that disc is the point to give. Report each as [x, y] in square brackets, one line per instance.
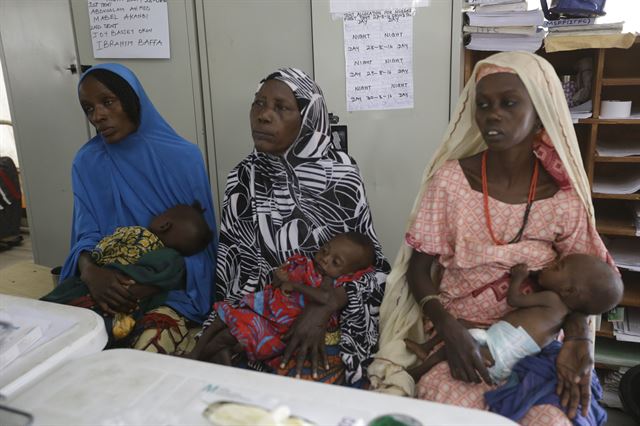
[129, 28]
[378, 48]
[340, 7]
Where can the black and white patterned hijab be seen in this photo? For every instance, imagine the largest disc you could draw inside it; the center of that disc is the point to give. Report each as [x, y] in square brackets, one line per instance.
[277, 206]
[314, 138]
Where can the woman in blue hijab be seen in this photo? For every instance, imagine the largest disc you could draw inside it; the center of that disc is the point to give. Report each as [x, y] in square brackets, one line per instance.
[135, 168]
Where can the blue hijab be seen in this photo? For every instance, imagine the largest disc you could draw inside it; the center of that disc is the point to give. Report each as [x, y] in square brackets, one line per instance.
[129, 182]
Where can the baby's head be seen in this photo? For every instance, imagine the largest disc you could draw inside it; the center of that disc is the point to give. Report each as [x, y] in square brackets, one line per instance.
[585, 283]
[183, 228]
[344, 254]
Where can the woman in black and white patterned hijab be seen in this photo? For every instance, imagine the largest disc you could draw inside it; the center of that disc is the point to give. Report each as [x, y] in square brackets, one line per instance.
[291, 195]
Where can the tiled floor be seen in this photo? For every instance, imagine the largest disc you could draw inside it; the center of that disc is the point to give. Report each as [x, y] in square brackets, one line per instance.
[17, 254]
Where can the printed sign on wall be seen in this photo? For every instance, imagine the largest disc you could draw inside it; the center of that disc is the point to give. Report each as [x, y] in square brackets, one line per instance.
[378, 48]
[129, 28]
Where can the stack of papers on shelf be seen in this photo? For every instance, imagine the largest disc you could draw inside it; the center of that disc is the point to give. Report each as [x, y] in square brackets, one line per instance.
[505, 42]
[627, 183]
[503, 25]
[521, 30]
[505, 6]
[625, 252]
[510, 18]
[618, 148]
[628, 329]
[581, 111]
[490, 3]
[583, 26]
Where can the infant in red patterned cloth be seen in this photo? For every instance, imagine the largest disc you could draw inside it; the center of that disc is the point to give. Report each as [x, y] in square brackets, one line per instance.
[256, 325]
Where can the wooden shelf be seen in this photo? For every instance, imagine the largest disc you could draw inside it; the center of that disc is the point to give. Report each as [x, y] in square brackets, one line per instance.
[602, 159]
[606, 329]
[610, 352]
[632, 197]
[615, 218]
[621, 230]
[621, 81]
[609, 121]
[631, 296]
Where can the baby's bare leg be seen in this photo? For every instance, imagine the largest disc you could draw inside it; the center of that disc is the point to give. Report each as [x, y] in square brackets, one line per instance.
[436, 358]
[206, 340]
[223, 348]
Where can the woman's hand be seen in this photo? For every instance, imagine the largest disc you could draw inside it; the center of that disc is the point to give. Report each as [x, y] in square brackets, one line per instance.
[306, 338]
[574, 365]
[109, 289]
[462, 352]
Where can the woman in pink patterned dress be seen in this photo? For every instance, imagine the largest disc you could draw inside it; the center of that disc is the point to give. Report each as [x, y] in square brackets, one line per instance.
[506, 187]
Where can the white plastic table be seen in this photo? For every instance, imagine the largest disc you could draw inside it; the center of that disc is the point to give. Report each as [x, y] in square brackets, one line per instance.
[74, 332]
[123, 386]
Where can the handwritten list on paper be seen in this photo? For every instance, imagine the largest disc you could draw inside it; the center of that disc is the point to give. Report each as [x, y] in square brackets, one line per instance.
[129, 28]
[378, 47]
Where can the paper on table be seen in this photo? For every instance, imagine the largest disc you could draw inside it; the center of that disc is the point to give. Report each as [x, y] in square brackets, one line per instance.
[617, 184]
[378, 48]
[301, 408]
[621, 148]
[15, 339]
[29, 317]
[203, 397]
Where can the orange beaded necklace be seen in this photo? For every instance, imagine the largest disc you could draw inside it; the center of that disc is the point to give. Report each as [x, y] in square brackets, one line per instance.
[530, 198]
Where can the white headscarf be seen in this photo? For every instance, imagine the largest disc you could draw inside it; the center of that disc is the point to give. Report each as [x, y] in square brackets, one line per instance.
[400, 316]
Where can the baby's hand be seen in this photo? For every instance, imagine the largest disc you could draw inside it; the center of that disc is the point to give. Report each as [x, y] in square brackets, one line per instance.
[280, 275]
[287, 287]
[520, 271]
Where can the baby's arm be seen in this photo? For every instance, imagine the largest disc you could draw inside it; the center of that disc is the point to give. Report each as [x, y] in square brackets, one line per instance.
[320, 295]
[519, 300]
[209, 342]
[142, 291]
[280, 276]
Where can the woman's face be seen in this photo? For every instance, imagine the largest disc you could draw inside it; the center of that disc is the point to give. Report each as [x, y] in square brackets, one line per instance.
[504, 112]
[275, 118]
[104, 111]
